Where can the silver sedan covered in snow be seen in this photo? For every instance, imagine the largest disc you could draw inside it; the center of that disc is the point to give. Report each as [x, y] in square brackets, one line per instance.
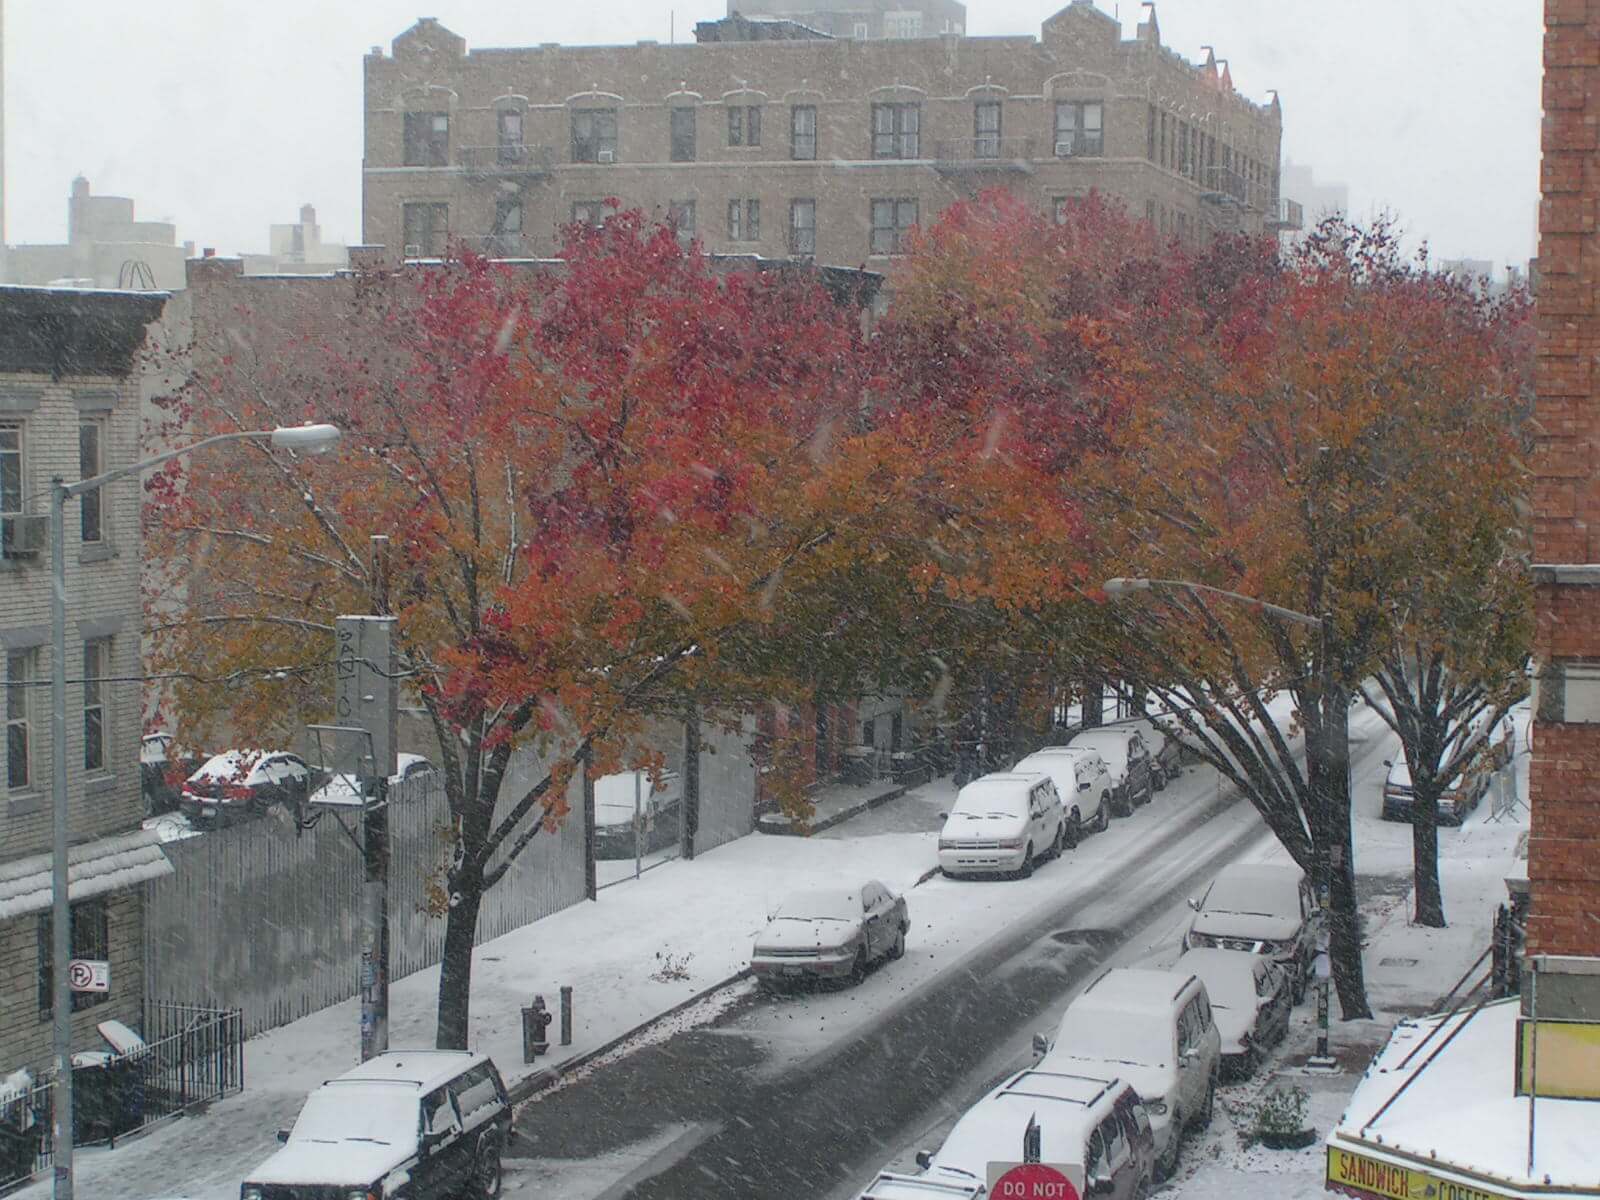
[830, 933]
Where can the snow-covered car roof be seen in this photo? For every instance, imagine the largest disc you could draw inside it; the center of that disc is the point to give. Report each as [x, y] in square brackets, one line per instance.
[1008, 788]
[1067, 1107]
[1229, 975]
[345, 789]
[892, 1186]
[822, 904]
[423, 1069]
[229, 764]
[1400, 775]
[1059, 767]
[1258, 889]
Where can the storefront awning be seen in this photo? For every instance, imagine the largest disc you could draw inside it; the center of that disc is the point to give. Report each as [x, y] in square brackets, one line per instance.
[93, 869]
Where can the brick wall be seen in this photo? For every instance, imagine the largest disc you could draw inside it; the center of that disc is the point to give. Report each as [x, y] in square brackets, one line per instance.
[25, 1033]
[1563, 866]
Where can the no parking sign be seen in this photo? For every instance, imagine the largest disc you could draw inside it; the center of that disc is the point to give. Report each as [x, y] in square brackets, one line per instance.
[89, 975]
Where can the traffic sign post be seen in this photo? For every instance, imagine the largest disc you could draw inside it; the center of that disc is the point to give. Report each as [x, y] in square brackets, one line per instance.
[89, 975]
[1035, 1181]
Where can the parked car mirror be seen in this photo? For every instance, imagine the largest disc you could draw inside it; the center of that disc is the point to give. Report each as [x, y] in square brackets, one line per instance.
[924, 1159]
[1041, 1044]
[283, 1135]
[1388, 762]
[1194, 904]
[1101, 1185]
[944, 816]
[1186, 1058]
[1084, 786]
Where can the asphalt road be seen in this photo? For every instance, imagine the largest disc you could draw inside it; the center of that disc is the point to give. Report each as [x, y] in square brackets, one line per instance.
[754, 1121]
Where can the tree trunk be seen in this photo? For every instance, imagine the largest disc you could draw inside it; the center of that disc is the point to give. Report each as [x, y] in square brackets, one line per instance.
[1344, 918]
[1093, 704]
[455, 967]
[1425, 863]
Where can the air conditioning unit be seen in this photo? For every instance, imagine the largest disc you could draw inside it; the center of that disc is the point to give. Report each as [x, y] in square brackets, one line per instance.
[605, 156]
[1063, 149]
[24, 537]
[413, 250]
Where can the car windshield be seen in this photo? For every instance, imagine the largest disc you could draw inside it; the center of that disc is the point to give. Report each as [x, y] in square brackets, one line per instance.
[829, 904]
[1013, 460]
[1254, 895]
[341, 1113]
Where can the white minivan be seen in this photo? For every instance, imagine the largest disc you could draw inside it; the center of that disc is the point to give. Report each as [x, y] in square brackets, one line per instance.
[1083, 782]
[1002, 824]
[1154, 1029]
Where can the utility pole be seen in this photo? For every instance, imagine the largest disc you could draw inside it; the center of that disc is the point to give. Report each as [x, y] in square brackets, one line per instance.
[591, 882]
[691, 781]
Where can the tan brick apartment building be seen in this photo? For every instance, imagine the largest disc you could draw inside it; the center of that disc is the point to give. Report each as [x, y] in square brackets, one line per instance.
[800, 144]
[69, 406]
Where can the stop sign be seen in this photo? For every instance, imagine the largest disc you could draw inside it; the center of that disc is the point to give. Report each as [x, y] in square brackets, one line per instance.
[1033, 1181]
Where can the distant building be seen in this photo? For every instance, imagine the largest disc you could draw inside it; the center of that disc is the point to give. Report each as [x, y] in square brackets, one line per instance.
[69, 405]
[1318, 199]
[863, 19]
[105, 248]
[809, 147]
[298, 249]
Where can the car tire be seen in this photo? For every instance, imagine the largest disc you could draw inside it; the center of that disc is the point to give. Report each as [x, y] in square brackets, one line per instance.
[1142, 1188]
[1302, 984]
[1026, 870]
[1072, 832]
[488, 1175]
[897, 948]
[1167, 1165]
[1206, 1113]
[1158, 779]
[1103, 821]
[858, 969]
[1122, 807]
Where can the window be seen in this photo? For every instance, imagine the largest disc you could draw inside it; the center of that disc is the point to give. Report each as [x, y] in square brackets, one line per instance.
[896, 130]
[19, 729]
[680, 215]
[508, 130]
[427, 139]
[1150, 213]
[508, 214]
[1078, 128]
[90, 464]
[90, 938]
[803, 228]
[10, 481]
[986, 129]
[1064, 205]
[744, 125]
[902, 24]
[744, 220]
[96, 669]
[1150, 136]
[589, 212]
[682, 134]
[891, 221]
[862, 31]
[427, 228]
[803, 132]
[594, 135]
[1183, 148]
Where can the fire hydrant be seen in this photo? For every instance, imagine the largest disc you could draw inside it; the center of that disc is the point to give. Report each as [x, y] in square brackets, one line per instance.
[535, 1022]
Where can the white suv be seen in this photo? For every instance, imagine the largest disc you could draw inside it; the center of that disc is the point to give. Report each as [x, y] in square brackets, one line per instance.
[1002, 824]
[1084, 783]
[1154, 1029]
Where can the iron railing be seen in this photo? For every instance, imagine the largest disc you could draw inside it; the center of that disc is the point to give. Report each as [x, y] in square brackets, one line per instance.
[501, 245]
[988, 150]
[1225, 181]
[1286, 214]
[191, 1056]
[505, 159]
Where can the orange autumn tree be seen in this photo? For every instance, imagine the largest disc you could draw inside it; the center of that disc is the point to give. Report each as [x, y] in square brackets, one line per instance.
[608, 490]
[1333, 442]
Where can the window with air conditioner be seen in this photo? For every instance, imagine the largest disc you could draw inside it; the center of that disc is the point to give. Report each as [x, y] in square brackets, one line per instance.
[426, 228]
[594, 135]
[1079, 130]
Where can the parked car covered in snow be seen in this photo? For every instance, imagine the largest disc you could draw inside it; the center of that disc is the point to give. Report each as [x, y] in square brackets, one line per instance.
[342, 789]
[1001, 824]
[411, 1124]
[239, 784]
[1251, 999]
[1263, 908]
[830, 933]
[1455, 802]
[1127, 758]
[659, 804]
[1153, 1029]
[1085, 1120]
[1083, 783]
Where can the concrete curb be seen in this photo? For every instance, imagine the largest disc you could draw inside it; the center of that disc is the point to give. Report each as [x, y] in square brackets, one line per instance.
[788, 829]
[548, 1077]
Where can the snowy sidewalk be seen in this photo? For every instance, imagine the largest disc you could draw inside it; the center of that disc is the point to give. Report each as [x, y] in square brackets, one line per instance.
[835, 804]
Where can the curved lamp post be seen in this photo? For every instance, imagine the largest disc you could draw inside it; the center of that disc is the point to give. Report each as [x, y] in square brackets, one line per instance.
[306, 439]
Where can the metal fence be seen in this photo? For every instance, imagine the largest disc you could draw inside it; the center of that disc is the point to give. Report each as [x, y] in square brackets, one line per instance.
[191, 1056]
[267, 921]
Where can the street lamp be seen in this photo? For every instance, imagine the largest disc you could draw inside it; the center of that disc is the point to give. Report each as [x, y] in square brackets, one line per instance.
[1119, 588]
[307, 439]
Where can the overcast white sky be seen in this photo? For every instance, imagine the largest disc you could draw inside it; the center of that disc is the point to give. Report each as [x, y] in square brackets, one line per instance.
[226, 115]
